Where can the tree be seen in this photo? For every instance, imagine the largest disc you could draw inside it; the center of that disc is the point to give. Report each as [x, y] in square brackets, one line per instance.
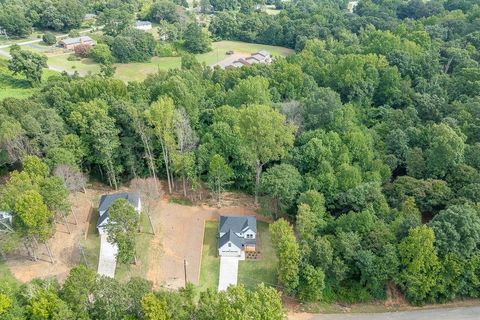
[281, 182]
[82, 50]
[419, 264]
[311, 283]
[115, 20]
[122, 229]
[73, 179]
[252, 90]
[76, 290]
[150, 191]
[320, 107]
[133, 45]
[155, 308]
[457, 230]
[265, 135]
[101, 54]
[287, 251]
[28, 63]
[49, 38]
[160, 116]
[196, 40]
[14, 20]
[445, 150]
[219, 175]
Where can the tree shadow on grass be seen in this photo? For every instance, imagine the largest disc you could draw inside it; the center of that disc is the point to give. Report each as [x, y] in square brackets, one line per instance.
[8, 80]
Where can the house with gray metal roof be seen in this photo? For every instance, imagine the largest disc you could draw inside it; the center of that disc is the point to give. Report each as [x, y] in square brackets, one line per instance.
[106, 201]
[71, 43]
[236, 234]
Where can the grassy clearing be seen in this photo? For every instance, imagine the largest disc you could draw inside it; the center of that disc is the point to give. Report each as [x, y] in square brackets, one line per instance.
[92, 242]
[210, 265]
[83, 66]
[126, 271]
[253, 272]
[138, 71]
[6, 277]
[15, 86]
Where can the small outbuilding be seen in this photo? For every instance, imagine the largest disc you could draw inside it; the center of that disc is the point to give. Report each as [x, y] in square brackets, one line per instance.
[143, 25]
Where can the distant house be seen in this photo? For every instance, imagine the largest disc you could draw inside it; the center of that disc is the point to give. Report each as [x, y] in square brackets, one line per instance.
[261, 56]
[351, 6]
[143, 25]
[106, 201]
[236, 234]
[71, 43]
[5, 218]
[90, 16]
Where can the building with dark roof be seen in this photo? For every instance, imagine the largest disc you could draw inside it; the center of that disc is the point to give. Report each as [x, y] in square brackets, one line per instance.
[71, 43]
[106, 201]
[236, 234]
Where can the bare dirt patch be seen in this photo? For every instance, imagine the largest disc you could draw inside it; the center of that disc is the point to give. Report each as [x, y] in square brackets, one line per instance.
[64, 246]
[180, 238]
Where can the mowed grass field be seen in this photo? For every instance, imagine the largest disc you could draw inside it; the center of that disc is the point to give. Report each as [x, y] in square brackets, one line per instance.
[210, 265]
[15, 86]
[253, 272]
[140, 70]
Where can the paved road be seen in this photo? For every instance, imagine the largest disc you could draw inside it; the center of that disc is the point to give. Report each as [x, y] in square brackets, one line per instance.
[107, 261]
[40, 40]
[228, 272]
[465, 313]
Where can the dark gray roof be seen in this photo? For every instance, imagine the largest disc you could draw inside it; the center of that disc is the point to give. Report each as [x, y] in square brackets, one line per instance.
[230, 236]
[237, 223]
[106, 201]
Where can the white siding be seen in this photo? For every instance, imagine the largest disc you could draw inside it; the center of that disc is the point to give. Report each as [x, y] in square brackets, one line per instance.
[232, 251]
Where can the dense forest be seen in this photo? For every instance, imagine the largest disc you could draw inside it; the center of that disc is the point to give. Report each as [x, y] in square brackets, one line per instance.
[364, 144]
[84, 295]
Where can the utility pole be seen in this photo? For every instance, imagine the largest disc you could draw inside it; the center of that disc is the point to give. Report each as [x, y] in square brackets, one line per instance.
[185, 271]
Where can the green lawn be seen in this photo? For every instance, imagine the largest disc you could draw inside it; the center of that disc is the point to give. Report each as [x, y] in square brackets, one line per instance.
[6, 277]
[92, 243]
[125, 271]
[138, 71]
[253, 272]
[210, 265]
[15, 86]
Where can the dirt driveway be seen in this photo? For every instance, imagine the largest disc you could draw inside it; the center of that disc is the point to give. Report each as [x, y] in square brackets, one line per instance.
[180, 237]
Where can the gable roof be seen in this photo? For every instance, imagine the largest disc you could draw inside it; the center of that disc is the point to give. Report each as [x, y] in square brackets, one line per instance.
[264, 53]
[230, 236]
[140, 23]
[81, 39]
[106, 201]
[237, 223]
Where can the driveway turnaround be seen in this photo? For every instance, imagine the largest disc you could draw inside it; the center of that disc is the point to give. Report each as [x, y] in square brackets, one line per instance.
[228, 272]
[107, 262]
[465, 313]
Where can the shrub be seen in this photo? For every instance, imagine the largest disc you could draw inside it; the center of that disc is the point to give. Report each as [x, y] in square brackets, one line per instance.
[165, 50]
[101, 54]
[49, 38]
[74, 34]
[82, 50]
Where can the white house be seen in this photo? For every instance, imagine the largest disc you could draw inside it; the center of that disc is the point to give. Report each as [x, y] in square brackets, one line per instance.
[236, 234]
[143, 25]
[106, 201]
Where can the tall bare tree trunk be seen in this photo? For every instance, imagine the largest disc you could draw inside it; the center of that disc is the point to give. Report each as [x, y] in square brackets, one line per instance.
[165, 159]
[49, 252]
[65, 221]
[74, 216]
[258, 173]
[184, 186]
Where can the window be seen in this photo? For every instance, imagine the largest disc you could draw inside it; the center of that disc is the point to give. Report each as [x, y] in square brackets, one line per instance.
[249, 236]
[229, 244]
